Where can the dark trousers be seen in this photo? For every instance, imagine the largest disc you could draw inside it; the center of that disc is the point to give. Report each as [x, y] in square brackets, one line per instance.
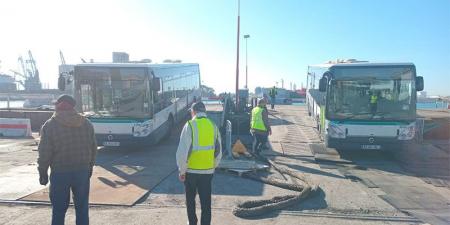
[272, 102]
[200, 183]
[259, 140]
[60, 185]
[373, 108]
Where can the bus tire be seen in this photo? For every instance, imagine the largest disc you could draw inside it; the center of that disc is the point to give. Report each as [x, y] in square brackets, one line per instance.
[170, 124]
[318, 124]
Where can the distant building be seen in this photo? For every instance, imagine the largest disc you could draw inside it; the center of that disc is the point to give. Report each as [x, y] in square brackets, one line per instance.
[7, 83]
[121, 57]
[283, 96]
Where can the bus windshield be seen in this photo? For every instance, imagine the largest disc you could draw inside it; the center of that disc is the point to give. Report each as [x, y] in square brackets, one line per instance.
[113, 91]
[369, 98]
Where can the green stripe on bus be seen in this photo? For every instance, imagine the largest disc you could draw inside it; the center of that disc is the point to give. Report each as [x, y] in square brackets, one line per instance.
[374, 123]
[97, 120]
[322, 118]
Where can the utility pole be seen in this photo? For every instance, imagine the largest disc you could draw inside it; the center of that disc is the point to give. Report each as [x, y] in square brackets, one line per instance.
[237, 53]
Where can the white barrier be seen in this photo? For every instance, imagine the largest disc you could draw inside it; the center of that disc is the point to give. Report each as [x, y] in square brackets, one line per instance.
[12, 127]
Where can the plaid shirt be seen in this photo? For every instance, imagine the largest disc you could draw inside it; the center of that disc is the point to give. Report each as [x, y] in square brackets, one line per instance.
[67, 148]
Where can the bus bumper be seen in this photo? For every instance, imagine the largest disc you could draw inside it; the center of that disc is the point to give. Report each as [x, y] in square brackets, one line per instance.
[123, 140]
[367, 143]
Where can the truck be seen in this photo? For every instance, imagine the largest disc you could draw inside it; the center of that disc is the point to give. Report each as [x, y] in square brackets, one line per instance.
[359, 105]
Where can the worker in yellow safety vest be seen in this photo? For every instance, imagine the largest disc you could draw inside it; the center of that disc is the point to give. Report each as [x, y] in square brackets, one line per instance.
[373, 103]
[198, 154]
[273, 94]
[259, 126]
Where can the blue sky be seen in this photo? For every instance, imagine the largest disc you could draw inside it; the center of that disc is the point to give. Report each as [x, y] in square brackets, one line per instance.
[286, 36]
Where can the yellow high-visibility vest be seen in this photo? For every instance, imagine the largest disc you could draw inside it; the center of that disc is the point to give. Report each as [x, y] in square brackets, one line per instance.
[257, 122]
[373, 99]
[204, 135]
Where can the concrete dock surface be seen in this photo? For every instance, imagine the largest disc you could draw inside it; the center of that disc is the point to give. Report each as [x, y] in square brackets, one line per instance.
[356, 188]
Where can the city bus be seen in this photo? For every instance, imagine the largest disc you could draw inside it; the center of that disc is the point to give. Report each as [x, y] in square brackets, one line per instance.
[135, 103]
[362, 105]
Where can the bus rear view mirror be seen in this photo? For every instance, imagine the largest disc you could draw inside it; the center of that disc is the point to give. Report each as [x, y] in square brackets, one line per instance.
[156, 84]
[323, 82]
[419, 83]
[61, 82]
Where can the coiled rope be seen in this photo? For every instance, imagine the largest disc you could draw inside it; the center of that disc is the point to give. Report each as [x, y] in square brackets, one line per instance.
[255, 208]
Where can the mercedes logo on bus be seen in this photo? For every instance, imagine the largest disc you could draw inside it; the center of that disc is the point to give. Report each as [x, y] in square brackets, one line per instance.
[110, 137]
[371, 140]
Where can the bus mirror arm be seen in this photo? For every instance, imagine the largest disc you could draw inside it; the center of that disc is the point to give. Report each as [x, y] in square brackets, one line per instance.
[61, 82]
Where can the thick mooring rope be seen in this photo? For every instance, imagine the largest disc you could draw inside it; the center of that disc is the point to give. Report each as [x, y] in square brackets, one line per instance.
[255, 208]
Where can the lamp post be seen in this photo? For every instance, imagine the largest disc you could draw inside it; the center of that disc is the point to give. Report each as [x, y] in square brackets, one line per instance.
[237, 51]
[246, 60]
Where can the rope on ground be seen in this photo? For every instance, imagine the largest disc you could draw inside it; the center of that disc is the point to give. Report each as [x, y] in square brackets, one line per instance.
[255, 208]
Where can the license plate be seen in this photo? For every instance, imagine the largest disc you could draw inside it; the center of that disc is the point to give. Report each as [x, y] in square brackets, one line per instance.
[370, 147]
[111, 143]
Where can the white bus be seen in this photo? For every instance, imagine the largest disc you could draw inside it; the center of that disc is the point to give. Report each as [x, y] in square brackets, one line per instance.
[135, 103]
[361, 105]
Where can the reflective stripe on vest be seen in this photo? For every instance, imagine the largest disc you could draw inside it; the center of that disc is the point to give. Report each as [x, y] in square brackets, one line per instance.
[373, 99]
[203, 144]
[257, 120]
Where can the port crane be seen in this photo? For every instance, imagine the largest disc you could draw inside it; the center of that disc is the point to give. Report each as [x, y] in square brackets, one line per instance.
[29, 73]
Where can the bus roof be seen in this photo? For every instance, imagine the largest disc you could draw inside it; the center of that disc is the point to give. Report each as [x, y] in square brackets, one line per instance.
[134, 65]
[360, 64]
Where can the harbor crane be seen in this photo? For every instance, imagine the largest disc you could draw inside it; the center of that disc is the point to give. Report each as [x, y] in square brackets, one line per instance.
[29, 73]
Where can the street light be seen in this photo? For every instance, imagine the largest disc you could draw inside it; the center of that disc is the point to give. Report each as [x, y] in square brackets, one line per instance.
[237, 52]
[246, 61]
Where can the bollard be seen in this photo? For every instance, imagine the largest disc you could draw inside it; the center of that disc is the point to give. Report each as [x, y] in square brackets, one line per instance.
[228, 140]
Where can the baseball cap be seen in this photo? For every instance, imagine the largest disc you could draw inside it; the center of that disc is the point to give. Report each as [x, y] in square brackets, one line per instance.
[66, 98]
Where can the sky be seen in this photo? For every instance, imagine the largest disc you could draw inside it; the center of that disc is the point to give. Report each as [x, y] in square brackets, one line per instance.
[285, 36]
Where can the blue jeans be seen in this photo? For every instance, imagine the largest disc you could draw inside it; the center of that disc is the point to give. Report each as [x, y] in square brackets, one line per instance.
[60, 185]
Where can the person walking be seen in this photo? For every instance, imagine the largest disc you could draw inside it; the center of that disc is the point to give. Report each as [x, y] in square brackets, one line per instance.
[259, 126]
[198, 154]
[273, 94]
[69, 148]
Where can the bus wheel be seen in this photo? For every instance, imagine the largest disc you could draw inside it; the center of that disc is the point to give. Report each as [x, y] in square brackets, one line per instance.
[318, 124]
[170, 126]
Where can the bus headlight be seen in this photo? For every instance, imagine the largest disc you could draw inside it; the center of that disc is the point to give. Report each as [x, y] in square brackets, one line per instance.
[407, 132]
[336, 131]
[142, 129]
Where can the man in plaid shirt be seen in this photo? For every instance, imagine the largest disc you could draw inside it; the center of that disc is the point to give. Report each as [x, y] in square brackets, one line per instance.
[69, 148]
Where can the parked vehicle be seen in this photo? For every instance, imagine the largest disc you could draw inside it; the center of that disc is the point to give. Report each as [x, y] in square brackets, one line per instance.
[362, 105]
[135, 103]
